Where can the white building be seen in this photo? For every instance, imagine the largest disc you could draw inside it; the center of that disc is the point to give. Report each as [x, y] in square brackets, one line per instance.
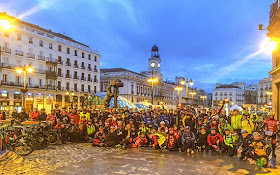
[234, 93]
[136, 86]
[62, 66]
[265, 85]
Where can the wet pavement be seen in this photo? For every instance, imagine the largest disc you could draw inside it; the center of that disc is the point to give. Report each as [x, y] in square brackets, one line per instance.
[84, 159]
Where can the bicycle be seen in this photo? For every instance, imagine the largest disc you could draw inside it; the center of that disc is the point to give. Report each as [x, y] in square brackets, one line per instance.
[22, 145]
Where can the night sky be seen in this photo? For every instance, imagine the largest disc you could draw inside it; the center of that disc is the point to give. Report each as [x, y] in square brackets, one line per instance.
[199, 39]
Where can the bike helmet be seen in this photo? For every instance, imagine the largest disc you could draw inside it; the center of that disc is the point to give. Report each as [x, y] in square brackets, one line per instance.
[187, 128]
[244, 131]
[227, 129]
[162, 123]
[256, 133]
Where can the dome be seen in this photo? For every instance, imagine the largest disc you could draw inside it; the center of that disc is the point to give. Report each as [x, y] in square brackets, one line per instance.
[155, 48]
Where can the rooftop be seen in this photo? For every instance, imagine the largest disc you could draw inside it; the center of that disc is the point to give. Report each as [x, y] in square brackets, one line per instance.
[227, 86]
[119, 70]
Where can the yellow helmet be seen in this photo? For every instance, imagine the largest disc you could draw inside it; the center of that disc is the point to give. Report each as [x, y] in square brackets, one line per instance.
[271, 113]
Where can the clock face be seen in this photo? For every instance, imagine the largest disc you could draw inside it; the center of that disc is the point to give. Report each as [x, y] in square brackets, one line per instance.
[153, 64]
[158, 65]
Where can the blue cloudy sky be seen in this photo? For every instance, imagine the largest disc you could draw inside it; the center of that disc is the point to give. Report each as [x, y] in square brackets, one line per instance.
[208, 41]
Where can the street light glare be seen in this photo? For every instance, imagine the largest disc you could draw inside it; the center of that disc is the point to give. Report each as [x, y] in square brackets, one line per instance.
[268, 46]
[178, 88]
[191, 82]
[183, 82]
[5, 24]
[19, 70]
[29, 69]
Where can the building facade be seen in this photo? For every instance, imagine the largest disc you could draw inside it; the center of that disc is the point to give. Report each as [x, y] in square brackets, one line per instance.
[274, 33]
[233, 93]
[265, 86]
[65, 70]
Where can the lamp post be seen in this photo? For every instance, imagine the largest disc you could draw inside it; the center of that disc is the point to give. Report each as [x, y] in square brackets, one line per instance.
[187, 82]
[203, 97]
[6, 25]
[269, 94]
[227, 106]
[192, 94]
[178, 89]
[71, 94]
[153, 80]
[24, 70]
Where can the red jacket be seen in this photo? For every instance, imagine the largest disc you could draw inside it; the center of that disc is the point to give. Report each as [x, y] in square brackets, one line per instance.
[76, 118]
[34, 115]
[271, 125]
[212, 139]
[52, 118]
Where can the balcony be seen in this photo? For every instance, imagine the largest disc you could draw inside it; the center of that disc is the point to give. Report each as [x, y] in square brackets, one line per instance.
[95, 70]
[31, 55]
[82, 78]
[76, 77]
[7, 65]
[11, 83]
[51, 61]
[83, 67]
[51, 74]
[50, 87]
[76, 66]
[89, 79]
[60, 62]
[6, 50]
[95, 81]
[68, 64]
[68, 76]
[89, 69]
[60, 74]
[41, 58]
[19, 52]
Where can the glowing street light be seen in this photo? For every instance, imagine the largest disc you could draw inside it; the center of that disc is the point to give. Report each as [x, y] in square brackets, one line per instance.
[187, 82]
[203, 97]
[153, 80]
[269, 94]
[178, 89]
[5, 24]
[268, 45]
[192, 94]
[71, 95]
[24, 70]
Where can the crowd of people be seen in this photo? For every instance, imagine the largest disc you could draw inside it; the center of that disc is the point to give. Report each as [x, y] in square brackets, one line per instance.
[185, 130]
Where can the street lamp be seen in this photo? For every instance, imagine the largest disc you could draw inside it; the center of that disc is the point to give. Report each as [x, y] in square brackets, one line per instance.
[203, 97]
[178, 89]
[268, 45]
[192, 94]
[24, 70]
[187, 82]
[269, 94]
[71, 94]
[153, 80]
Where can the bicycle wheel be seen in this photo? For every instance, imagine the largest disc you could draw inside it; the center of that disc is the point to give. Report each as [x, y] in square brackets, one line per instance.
[53, 137]
[23, 145]
[41, 140]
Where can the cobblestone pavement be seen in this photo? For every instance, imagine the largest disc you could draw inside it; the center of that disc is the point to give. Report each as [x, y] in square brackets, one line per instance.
[84, 159]
[51, 158]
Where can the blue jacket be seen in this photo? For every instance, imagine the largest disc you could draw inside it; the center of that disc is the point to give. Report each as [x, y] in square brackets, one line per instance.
[188, 137]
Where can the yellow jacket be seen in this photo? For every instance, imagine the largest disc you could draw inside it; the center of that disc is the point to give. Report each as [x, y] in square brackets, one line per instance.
[248, 125]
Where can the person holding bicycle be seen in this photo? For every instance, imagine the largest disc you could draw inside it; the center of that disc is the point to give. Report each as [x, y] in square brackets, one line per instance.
[271, 124]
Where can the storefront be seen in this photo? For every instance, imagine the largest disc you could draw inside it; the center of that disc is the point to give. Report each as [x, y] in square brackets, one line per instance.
[29, 101]
[4, 101]
[49, 104]
[40, 100]
[17, 101]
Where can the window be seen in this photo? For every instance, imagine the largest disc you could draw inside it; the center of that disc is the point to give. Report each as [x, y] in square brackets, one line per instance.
[41, 43]
[89, 89]
[5, 77]
[95, 78]
[59, 85]
[76, 53]
[89, 56]
[89, 77]
[6, 34]
[41, 68]
[30, 40]
[17, 79]
[83, 55]
[83, 76]
[75, 87]
[50, 45]
[94, 89]
[95, 67]
[29, 81]
[95, 58]
[83, 88]
[67, 86]
[59, 71]
[59, 48]
[40, 82]
[59, 59]
[68, 50]
[19, 36]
